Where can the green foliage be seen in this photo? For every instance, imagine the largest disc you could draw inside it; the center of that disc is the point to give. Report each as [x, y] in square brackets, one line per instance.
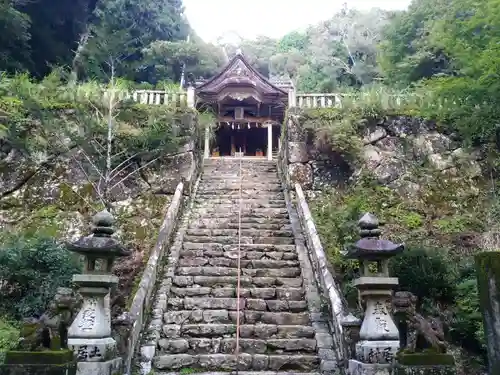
[31, 270]
[427, 273]
[167, 58]
[9, 336]
[14, 39]
[121, 29]
[467, 326]
[406, 53]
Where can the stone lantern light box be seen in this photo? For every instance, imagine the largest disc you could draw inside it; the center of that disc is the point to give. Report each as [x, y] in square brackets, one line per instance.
[89, 336]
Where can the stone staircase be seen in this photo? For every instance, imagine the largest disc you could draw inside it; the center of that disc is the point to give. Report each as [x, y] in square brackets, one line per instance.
[199, 314]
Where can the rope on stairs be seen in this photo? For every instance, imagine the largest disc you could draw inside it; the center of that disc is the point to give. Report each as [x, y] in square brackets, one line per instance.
[237, 349]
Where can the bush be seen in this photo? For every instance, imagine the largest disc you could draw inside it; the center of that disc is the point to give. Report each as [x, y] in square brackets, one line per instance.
[9, 336]
[467, 325]
[31, 270]
[427, 273]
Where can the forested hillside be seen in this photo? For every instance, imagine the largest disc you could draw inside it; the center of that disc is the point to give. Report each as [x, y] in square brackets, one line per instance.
[145, 41]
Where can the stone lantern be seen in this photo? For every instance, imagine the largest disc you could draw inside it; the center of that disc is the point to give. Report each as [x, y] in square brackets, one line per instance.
[89, 336]
[378, 335]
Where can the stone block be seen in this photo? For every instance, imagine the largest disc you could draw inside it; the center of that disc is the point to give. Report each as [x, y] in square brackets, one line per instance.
[360, 368]
[111, 367]
[297, 152]
[302, 174]
[377, 351]
[93, 350]
[295, 131]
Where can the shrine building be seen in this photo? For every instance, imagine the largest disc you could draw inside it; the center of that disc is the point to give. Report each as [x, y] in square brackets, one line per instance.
[249, 110]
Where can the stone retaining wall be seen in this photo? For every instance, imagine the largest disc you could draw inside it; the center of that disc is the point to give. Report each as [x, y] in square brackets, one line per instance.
[293, 154]
[389, 148]
[184, 166]
[130, 324]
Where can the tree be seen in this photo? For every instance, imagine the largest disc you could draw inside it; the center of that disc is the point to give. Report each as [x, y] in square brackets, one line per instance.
[167, 58]
[14, 38]
[125, 28]
[54, 29]
[408, 53]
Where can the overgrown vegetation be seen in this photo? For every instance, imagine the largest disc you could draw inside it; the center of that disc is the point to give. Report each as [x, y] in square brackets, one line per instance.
[437, 265]
[66, 152]
[31, 269]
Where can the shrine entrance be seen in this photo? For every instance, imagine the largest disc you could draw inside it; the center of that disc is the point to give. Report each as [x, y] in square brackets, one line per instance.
[231, 140]
[246, 106]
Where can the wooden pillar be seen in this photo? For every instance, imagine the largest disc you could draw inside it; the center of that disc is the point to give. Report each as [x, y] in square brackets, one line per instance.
[206, 151]
[269, 142]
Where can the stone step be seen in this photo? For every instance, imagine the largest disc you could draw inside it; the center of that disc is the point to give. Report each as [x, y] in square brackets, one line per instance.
[288, 294]
[244, 361]
[233, 214]
[246, 175]
[270, 167]
[266, 248]
[259, 331]
[244, 240]
[231, 281]
[233, 262]
[245, 194]
[244, 255]
[239, 373]
[244, 220]
[215, 303]
[242, 232]
[205, 345]
[236, 200]
[218, 224]
[245, 185]
[245, 210]
[236, 177]
[227, 317]
[209, 188]
[211, 203]
[226, 271]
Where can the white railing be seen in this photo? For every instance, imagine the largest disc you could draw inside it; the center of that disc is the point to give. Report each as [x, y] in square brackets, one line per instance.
[160, 97]
[301, 100]
[317, 100]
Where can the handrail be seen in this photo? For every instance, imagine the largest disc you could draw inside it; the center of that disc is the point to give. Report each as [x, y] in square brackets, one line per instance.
[141, 302]
[320, 263]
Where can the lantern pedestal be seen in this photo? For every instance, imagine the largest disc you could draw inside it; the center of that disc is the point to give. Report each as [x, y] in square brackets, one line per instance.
[113, 367]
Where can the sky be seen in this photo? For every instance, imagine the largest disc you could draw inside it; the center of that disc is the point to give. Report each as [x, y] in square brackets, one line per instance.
[274, 18]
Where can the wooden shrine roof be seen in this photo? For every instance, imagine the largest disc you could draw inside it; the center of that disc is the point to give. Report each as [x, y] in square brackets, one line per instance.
[239, 75]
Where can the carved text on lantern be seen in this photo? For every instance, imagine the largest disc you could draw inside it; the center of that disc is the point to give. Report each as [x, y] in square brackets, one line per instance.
[84, 353]
[381, 324]
[88, 318]
[379, 309]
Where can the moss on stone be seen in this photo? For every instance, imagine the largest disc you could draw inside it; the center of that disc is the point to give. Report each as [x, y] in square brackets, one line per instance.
[425, 359]
[48, 357]
[24, 369]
